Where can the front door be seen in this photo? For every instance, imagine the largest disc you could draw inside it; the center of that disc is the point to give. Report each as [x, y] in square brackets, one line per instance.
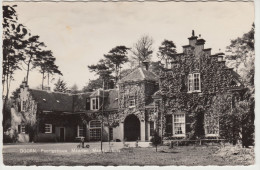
[62, 134]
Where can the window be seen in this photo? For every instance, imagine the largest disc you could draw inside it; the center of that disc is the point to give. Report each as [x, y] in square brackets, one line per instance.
[110, 133]
[211, 124]
[80, 131]
[194, 82]
[179, 124]
[211, 131]
[151, 128]
[95, 130]
[22, 128]
[131, 101]
[94, 103]
[23, 105]
[48, 128]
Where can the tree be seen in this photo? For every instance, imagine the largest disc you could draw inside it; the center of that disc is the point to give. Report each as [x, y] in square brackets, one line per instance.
[242, 57]
[13, 45]
[74, 89]
[142, 50]
[60, 86]
[46, 62]
[167, 50]
[117, 56]
[156, 139]
[32, 50]
[103, 69]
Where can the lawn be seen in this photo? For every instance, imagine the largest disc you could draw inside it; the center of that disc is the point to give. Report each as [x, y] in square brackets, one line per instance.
[182, 155]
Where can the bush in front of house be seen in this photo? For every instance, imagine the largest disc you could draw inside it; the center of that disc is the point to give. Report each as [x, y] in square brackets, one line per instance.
[156, 140]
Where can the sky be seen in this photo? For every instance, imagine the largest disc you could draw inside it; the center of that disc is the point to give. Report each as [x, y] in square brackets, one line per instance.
[80, 33]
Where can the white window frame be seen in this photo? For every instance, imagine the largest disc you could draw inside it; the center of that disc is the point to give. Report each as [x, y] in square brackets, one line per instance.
[22, 105]
[22, 128]
[173, 125]
[191, 83]
[131, 101]
[93, 102]
[92, 129]
[211, 134]
[50, 128]
[80, 128]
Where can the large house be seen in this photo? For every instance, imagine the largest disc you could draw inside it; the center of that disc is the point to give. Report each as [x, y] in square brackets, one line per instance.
[143, 102]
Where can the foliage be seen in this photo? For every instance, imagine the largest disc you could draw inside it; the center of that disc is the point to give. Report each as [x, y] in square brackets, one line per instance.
[13, 44]
[156, 139]
[167, 50]
[142, 50]
[46, 62]
[103, 69]
[117, 56]
[60, 86]
[74, 89]
[242, 57]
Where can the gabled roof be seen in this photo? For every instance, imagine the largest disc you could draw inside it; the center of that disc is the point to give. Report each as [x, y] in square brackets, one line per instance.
[111, 102]
[139, 74]
[53, 101]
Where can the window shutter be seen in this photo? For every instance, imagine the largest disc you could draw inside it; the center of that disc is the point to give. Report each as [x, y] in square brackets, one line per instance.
[84, 130]
[87, 104]
[97, 101]
[53, 128]
[19, 128]
[19, 106]
[26, 129]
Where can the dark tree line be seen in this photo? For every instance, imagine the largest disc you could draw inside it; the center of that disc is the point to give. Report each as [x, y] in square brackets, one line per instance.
[21, 50]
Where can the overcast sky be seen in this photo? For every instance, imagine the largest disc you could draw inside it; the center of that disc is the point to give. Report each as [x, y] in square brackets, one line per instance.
[79, 33]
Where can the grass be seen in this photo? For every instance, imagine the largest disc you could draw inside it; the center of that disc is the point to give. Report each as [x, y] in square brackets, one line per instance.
[182, 155]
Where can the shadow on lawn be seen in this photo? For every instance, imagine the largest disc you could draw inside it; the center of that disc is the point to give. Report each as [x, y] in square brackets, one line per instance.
[168, 152]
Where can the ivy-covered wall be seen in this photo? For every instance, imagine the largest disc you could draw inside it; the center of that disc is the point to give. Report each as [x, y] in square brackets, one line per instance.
[216, 79]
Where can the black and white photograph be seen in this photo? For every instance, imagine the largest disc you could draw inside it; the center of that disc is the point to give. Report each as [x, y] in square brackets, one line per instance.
[128, 83]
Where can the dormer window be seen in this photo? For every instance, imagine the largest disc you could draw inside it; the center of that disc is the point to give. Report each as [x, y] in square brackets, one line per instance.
[94, 103]
[131, 101]
[194, 84]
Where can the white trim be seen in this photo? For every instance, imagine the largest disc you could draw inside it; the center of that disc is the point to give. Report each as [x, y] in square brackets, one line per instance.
[129, 101]
[22, 127]
[191, 79]
[96, 99]
[64, 132]
[173, 126]
[142, 73]
[49, 127]
[78, 129]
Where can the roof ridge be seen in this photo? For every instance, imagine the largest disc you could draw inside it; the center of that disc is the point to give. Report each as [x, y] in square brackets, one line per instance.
[142, 73]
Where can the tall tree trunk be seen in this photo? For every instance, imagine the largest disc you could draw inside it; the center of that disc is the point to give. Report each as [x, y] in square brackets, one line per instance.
[28, 70]
[42, 80]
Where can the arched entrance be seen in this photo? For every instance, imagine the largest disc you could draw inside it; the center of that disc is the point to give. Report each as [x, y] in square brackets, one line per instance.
[131, 128]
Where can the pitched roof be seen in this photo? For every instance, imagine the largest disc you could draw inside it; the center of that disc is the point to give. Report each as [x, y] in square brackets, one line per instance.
[53, 101]
[111, 102]
[139, 74]
[79, 101]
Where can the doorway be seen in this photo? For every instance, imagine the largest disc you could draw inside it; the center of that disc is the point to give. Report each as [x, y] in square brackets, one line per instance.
[62, 134]
[132, 128]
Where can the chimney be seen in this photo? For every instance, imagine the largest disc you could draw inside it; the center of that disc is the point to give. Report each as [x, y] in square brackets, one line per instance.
[199, 46]
[220, 56]
[192, 39]
[146, 64]
[207, 51]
